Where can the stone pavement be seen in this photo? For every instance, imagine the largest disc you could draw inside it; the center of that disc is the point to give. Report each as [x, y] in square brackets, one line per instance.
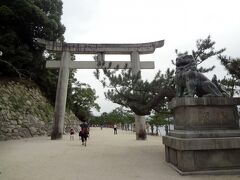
[106, 157]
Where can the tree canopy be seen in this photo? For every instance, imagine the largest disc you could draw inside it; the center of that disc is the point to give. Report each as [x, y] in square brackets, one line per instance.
[232, 65]
[132, 92]
[141, 96]
[82, 100]
[204, 50]
[116, 116]
[21, 22]
[232, 83]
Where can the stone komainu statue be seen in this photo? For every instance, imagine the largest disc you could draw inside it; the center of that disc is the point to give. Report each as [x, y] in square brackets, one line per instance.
[190, 82]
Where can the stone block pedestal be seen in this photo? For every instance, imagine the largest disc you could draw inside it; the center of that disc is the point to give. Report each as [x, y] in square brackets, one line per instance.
[206, 139]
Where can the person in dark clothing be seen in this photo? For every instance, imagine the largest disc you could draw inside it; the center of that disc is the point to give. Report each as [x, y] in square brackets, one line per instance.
[80, 135]
[166, 129]
[84, 133]
[115, 129]
[71, 134]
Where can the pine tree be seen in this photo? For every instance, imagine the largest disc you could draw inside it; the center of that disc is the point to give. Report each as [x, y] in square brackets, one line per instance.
[232, 65]
[132, 92]
[204, 50]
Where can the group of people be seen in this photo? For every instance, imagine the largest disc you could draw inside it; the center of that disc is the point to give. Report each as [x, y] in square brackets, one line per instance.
[83, 133]
[114, 128]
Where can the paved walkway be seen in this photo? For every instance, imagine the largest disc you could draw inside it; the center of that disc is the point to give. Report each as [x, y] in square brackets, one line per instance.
[106, 157]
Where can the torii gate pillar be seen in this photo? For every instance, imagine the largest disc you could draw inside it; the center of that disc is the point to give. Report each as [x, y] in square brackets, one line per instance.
[140, 121]
[134, 50]
[61, 96]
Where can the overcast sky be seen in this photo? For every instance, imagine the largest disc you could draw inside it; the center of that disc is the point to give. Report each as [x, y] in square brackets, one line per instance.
[179, 22]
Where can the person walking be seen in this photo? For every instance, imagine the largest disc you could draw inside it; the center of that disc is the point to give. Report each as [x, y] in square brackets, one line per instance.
[115, 129]
[72, 134]
[166, 129]
[84, 132]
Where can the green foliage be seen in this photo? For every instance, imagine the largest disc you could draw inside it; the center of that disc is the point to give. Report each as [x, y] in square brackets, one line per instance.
[204, 50]
[82, 100]
[96, 120]
[21, 22]
[117, 116]
[232, 65]
[141, 96]
[132, 92]
[231, 85]
[24, 98]
[158, 119]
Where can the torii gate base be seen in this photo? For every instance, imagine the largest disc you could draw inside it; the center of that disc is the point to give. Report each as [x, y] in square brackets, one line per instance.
[134, 50]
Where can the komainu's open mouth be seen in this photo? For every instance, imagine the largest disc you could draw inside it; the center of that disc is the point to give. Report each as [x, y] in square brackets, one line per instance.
[184, 60]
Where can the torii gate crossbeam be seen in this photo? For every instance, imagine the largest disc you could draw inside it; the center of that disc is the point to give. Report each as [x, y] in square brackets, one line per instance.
[134, 50]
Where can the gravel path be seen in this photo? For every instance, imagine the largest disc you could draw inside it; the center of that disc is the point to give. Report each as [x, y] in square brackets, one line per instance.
[106, 157]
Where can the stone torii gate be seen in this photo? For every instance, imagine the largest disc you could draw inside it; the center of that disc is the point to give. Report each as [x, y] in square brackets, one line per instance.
[134, 50]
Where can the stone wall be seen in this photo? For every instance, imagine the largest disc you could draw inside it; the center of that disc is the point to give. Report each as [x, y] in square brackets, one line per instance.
[25, 112]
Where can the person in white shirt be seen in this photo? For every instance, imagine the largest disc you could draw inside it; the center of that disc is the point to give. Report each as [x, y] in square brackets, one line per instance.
[115, 129]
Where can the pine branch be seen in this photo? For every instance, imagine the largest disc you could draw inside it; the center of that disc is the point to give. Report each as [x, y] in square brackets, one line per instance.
[14, 68]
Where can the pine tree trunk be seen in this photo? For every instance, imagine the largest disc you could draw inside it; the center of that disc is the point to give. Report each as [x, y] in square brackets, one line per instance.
[140, 124]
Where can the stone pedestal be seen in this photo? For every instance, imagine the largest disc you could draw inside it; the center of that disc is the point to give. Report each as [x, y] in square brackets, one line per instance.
[206, 136]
